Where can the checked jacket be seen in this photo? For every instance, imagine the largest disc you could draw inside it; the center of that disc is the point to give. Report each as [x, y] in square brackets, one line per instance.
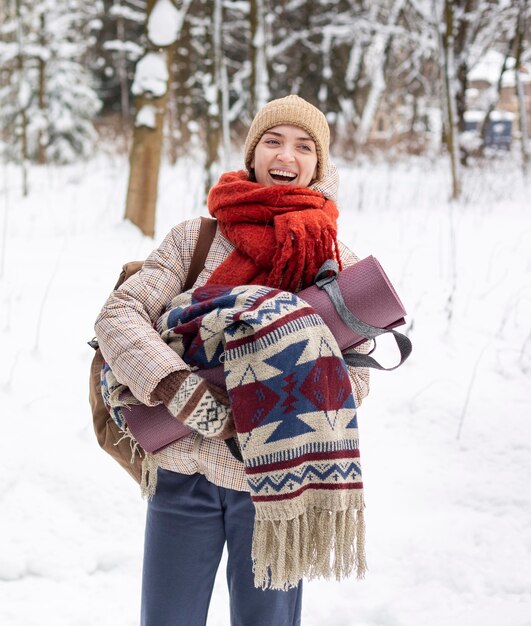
[140, 359]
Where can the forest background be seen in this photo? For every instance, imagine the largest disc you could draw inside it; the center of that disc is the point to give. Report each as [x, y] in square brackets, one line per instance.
[164, 78]
[105, 112]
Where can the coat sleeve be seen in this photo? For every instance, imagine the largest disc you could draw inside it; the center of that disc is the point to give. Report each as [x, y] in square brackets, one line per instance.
[359, 376]
[135, 351]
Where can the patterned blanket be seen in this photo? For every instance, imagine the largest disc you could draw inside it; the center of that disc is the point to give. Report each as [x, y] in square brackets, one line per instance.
[295, 419]
[296, 422]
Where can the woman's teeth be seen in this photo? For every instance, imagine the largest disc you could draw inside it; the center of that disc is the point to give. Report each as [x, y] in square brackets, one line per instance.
[281, 175]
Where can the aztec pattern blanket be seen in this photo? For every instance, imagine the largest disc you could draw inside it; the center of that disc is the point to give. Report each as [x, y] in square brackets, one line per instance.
[295, 418]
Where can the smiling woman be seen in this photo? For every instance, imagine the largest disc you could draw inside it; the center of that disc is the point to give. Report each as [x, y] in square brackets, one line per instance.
[276, 226]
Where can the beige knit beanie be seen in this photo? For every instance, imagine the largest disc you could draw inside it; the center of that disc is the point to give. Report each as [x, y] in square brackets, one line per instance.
[296, 111]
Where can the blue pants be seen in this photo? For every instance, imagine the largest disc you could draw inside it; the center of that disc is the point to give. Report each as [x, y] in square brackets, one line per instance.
[188, 521]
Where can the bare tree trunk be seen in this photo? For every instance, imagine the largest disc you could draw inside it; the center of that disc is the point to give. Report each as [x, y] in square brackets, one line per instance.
[212, 153]
[326, 74]
[460, 34]
[382, 44]
[141, 201]
[225, 113]
[460, 87]
[122, 74]
[5, 221]
[41, 152]
[214, 123]
[171, 116]
[496, 96]
[182, 93]
[355, 58]
[259, 80]
[146, 151]
[349, 117]
[449, 105]
[22, 103]
[145, 159]
[522, 113]
[222, 88]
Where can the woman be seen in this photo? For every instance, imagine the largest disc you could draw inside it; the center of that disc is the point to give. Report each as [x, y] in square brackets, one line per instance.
[276, 226]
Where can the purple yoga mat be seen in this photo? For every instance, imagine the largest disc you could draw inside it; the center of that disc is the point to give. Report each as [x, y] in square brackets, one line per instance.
[368, 294]
[154, 427]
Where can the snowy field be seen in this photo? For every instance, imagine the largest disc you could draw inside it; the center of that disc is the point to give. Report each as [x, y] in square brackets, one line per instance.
[445, 440]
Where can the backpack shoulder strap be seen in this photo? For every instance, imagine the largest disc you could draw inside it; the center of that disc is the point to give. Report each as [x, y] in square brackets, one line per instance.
[207, 232]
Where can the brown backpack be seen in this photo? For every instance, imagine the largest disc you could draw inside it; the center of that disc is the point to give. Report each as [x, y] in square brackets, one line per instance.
[109, 436]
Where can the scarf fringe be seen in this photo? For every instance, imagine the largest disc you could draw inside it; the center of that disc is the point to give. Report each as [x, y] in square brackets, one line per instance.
[127, 435]
[315, 544]
[120, 397]
[150, 465]
[148, 481]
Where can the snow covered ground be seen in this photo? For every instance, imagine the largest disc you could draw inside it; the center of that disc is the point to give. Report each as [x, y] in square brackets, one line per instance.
[446, 440]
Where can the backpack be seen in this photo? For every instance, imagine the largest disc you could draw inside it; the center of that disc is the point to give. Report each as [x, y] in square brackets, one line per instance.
[109, 436]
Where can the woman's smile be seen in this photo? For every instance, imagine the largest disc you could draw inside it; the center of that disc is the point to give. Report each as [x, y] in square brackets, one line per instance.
[285, 155]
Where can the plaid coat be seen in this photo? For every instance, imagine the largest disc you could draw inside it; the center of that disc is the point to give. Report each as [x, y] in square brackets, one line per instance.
[140, 359]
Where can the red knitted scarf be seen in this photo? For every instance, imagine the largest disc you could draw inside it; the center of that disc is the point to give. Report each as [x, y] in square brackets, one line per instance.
[282, 234]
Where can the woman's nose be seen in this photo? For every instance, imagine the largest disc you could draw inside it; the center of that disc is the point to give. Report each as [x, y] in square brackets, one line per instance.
[285, 154]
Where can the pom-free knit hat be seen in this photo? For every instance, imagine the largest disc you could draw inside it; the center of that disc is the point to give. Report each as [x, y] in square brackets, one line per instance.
[297, 112]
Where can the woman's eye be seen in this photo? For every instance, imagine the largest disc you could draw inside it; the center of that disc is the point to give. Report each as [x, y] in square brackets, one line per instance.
[273, 142]
[305, 147]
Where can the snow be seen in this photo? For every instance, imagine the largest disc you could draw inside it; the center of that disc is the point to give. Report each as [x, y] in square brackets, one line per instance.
[475, 115]
[501, 116]
[24, 94]
[132, 49]
[151, 75]
[147, 116]
[128, 13]
[489, 67]
[448, 533]
[164, 23]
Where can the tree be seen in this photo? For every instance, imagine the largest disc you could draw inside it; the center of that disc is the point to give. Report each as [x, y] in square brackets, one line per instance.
[450, 95]
[259, 78]
[163, 27]
[215, 89]
[115, 53]
[48, 101]
[380, 45]
[209, 83]
[523, 14]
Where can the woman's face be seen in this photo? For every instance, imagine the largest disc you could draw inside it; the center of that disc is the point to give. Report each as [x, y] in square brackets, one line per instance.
[285, 155]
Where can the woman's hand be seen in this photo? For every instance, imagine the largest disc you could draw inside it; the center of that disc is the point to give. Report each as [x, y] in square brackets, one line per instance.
[200, 405]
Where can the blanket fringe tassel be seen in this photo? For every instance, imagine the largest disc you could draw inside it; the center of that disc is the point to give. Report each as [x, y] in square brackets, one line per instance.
[317, 543]
[148, 479]
[148, 482]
